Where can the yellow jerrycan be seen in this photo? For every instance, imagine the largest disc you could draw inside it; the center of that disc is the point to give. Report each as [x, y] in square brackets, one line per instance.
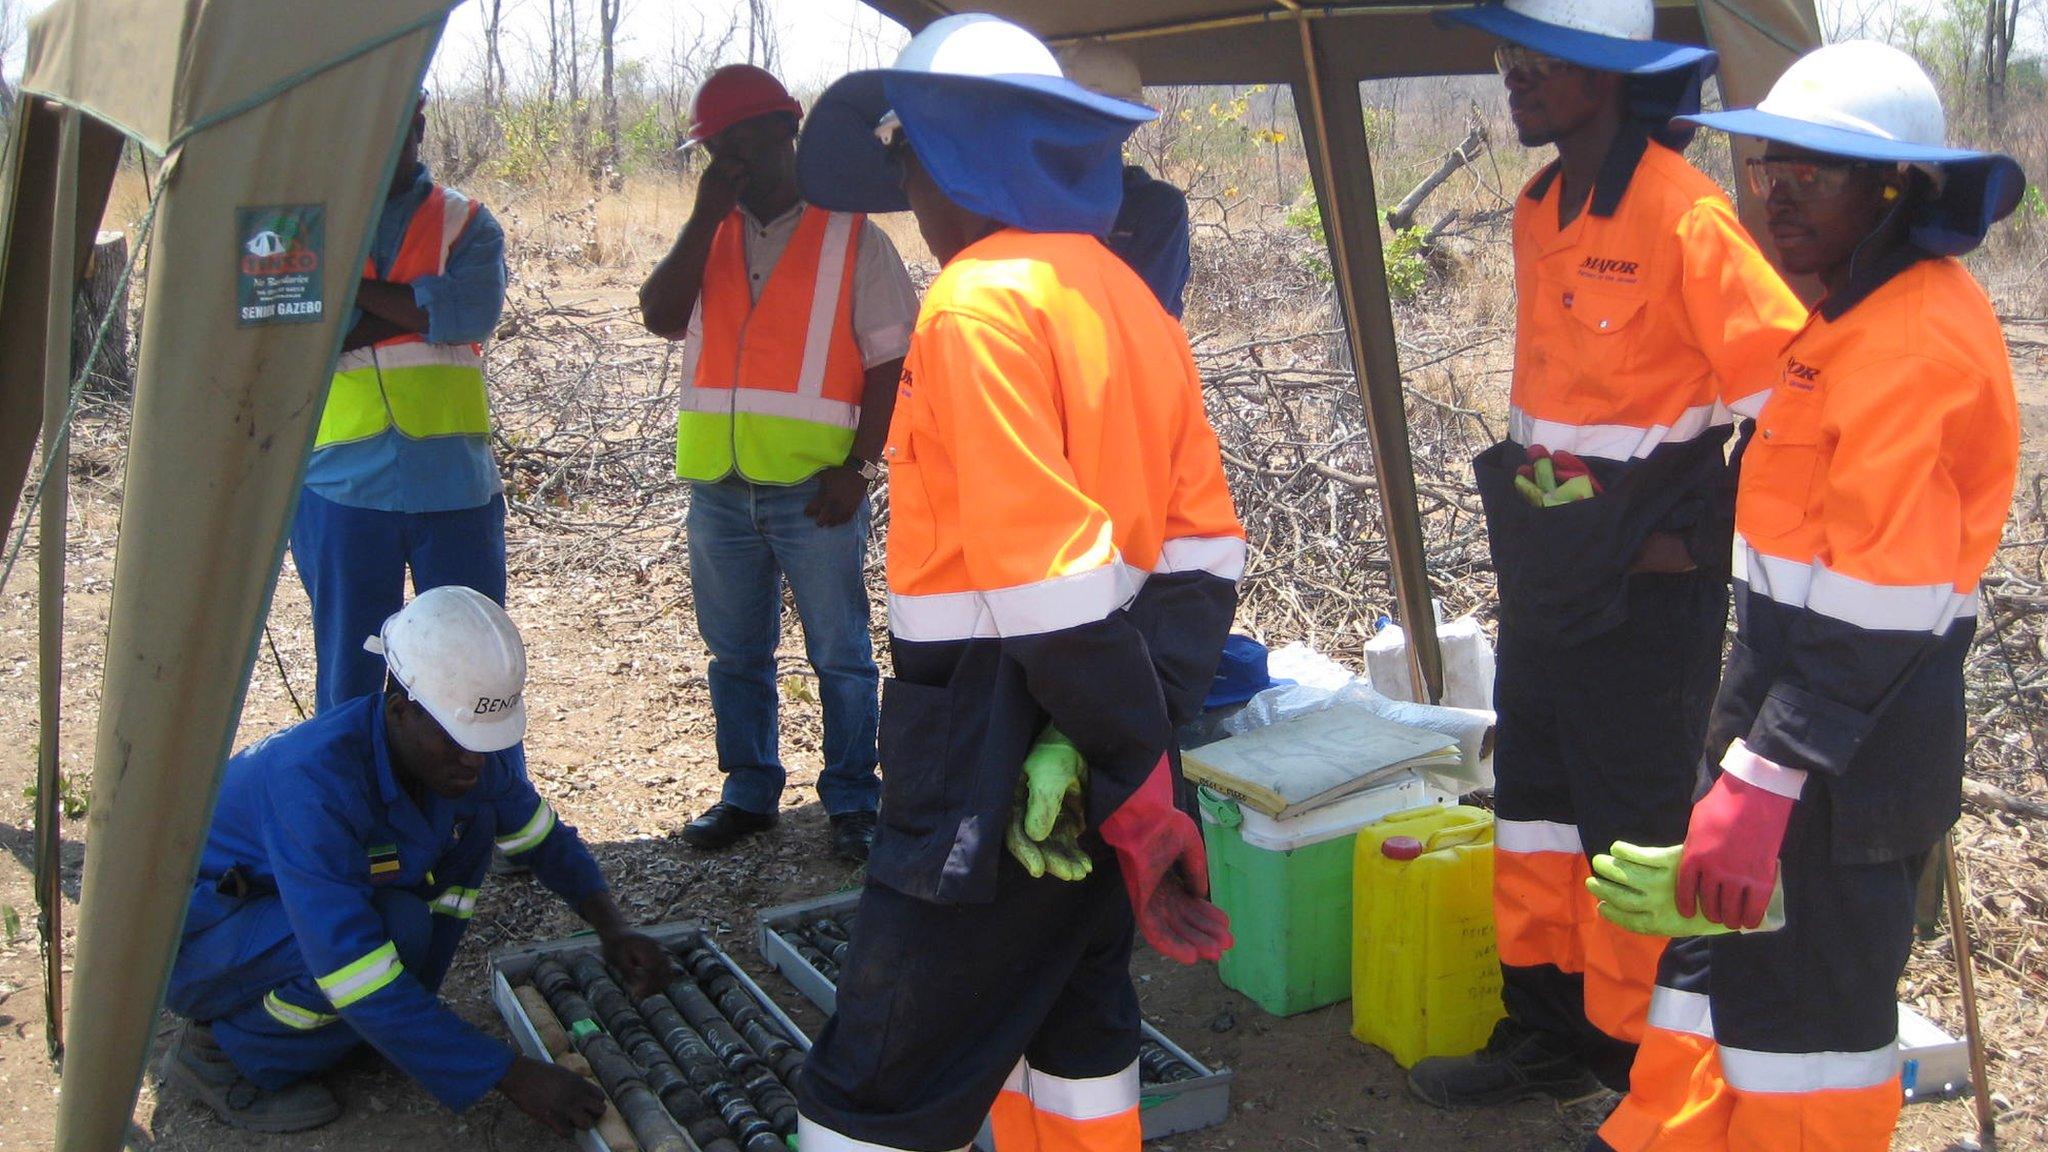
[1425, 972]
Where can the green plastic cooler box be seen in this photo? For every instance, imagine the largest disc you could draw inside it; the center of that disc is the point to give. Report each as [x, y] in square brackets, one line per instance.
[1286, 885]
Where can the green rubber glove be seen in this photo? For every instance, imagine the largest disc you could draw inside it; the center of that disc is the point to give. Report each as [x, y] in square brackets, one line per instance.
[1579, 487]
[1530, 492]
[1546, 474]
[1050, 810]
[1638, 890]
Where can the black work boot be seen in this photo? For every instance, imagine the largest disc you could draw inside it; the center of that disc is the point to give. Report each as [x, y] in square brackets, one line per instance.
[1517, 1063]
[197, 1064]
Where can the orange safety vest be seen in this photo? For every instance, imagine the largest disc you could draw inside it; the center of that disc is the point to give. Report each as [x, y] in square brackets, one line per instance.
[775, 384]
[422, 389]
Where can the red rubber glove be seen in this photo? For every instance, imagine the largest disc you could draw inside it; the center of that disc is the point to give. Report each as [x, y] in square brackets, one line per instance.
[1151, 837]
[1730, 862]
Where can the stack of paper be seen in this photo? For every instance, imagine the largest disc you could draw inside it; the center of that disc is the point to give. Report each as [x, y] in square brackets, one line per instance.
[1302, 763]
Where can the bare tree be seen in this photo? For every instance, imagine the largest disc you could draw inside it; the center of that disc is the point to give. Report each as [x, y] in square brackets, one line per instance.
[555, 51]
[494, 61]
[2001, 25]
[607, 163]
[761, 39]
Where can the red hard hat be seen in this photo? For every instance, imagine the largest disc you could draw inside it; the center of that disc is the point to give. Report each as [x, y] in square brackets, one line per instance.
[734, 93]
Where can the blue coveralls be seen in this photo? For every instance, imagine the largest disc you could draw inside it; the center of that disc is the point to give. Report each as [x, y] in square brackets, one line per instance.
[329, 905]
[373, 508]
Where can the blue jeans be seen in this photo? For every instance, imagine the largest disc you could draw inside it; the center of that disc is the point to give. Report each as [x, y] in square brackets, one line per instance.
[745, 540]
[353, 562]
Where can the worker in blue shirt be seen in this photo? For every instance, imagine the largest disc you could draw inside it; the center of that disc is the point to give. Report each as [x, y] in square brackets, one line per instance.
[341, 869]
[401, 474]
[1151, 229]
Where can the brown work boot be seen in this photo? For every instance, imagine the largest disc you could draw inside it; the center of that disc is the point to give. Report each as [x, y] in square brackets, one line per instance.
[197, 1064]
[1517, 1063]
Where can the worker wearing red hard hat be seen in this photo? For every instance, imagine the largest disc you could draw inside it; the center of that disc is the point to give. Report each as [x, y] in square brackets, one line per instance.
[1063, 558]
[794, 321]
[1872, 498]
[1645, 320]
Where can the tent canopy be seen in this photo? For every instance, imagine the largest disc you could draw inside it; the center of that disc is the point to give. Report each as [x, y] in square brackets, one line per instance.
[277, 125]
[261, 106]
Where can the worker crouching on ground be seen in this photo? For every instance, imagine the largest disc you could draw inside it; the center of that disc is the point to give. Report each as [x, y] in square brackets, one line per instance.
[1873, 495]
[342, 868]
[1644, 314]
[1062, 550]
[794, 321]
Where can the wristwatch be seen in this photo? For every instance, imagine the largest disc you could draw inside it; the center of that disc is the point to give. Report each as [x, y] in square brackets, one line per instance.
[870, 470]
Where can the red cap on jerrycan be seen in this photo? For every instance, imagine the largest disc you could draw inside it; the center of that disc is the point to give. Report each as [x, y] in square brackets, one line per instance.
[1400, 847]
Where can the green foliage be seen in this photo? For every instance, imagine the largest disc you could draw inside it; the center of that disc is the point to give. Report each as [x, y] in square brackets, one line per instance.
[10, 923]
[1407, 265]
[647, 142]
[536, 138]
[2032, 206]
[73, 799]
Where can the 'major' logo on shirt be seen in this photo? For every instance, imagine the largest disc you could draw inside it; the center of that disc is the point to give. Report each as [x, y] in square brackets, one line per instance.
[1609, 269]
[1801, 376]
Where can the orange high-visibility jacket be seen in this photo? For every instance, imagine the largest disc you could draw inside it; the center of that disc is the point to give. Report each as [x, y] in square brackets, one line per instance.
[1641, 329]
[423, 389]
[1061, 545]
[1872, 498]
[775, 384]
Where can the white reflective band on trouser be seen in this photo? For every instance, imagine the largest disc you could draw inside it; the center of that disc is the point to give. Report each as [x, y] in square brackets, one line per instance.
[528, 838]
[457, 902]
[1536, 836]
[1024, 610]
[810, 378]
[812, 1136]
[1613, 441]
[1876, 607]
[292, 1016]
[1091, 1099]
[1217, 555]
[1784, 1073]
[1676, 1011]
[758, 402]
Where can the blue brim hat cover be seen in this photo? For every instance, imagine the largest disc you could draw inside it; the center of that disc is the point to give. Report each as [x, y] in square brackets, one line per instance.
[1039, 153]
[1664, 79]
[1241, 673]
[1978, 189]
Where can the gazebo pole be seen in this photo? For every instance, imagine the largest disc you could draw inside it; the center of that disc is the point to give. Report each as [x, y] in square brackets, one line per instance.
[1333, 128]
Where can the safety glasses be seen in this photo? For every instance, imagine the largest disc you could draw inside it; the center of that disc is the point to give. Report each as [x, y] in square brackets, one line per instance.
[1530, 63]
[1805, 178]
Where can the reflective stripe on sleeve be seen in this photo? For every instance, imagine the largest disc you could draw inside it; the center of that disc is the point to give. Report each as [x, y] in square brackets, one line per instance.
[457, 901]
[350, 983]
[529, 837]
[1748, 1070]
[292, 1016]
[1222, 556]
[1536, 836]
[1613, 441]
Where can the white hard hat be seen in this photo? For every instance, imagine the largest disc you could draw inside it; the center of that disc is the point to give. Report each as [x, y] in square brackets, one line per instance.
[976, 44]
[1103, 69]
[1862, 100]
[456, 652]
[1621, 19]
[1604, 35]
[1861, 86]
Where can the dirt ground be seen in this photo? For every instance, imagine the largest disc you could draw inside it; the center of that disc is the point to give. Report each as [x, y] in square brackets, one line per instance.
[620, 739]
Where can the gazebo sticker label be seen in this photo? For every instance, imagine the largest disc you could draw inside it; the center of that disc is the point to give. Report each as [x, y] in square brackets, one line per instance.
[277, 266]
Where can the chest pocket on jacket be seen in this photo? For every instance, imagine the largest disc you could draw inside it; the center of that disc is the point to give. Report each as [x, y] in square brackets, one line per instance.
[1782, 463]
[1595, 344]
